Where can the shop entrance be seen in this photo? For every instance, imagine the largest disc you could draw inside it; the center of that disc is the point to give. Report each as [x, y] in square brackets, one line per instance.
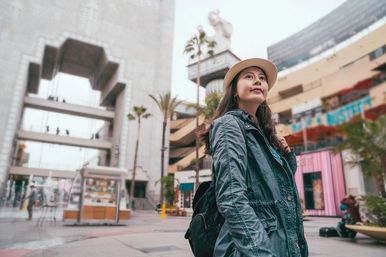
[140, 188]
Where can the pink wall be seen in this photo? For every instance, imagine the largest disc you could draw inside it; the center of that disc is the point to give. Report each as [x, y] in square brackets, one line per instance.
[331, 169]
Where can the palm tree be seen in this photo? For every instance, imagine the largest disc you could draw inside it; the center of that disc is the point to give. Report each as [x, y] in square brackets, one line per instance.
[139, 113]
[366, 139]
[195, 47]
[167, 105]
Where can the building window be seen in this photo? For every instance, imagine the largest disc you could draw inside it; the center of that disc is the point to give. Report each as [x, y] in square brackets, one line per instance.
[313, 191]
[377, 53]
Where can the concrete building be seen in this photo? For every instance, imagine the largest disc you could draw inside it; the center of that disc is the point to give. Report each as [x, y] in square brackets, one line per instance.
[124, 48]
[330, 72]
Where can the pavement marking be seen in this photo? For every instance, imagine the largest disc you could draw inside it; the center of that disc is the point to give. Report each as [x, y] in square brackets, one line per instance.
[170, 230]
[164, 248]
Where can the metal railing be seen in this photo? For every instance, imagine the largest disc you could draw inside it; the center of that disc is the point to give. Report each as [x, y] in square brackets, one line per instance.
[64, 132]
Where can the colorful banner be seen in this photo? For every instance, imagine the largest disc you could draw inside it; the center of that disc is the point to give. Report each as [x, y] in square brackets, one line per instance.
[347, 112]
[335, 117]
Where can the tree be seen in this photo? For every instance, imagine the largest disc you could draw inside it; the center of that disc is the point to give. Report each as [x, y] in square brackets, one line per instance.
[212, 100]
[195, 47]
[168, 183]
[366, 139]
[167, 105]
[139, 113]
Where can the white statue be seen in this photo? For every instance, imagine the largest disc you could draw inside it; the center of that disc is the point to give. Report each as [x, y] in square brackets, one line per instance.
[223, 31]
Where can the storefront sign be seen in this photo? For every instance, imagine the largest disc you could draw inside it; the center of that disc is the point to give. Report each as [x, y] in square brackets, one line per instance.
[345, 113]
[335, 117]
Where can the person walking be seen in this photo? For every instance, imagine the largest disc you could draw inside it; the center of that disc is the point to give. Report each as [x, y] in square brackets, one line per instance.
[31, 200]
[253, 170]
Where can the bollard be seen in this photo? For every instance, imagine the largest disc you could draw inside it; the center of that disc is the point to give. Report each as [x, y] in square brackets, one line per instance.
[163, 211]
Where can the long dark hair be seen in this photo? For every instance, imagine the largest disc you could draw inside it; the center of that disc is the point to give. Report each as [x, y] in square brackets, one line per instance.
[263, 117]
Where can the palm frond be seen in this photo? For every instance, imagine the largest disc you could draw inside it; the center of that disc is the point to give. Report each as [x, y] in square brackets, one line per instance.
[130, 116]
[146, 115]
[155, 100]
[212, 44]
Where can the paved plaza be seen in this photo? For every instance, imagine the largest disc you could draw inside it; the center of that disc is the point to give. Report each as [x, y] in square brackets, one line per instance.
[146, 235]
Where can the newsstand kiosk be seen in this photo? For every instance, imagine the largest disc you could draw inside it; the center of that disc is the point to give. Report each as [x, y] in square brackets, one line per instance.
[97, 197]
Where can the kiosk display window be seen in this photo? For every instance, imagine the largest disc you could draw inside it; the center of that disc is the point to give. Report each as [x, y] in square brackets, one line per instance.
[100, 192]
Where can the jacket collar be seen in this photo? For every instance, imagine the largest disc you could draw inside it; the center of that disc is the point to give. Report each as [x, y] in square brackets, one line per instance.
[243, 115]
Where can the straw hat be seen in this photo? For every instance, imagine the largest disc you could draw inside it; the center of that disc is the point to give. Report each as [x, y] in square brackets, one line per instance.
[268, 67]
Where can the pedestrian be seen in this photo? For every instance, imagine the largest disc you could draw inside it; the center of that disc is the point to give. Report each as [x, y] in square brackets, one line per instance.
[57, 130]
[47, 129]
[253, 170]
[352, 207]
[347, 219]
[31, 199]
[67, 132]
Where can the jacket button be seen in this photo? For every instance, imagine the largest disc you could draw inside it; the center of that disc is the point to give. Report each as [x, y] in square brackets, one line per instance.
[290, 198]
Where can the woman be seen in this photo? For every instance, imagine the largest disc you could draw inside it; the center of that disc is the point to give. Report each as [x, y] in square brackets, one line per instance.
[254, 170]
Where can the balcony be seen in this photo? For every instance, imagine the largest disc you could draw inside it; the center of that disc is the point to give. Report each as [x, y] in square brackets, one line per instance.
[214, 67]
[185, 131]
[187, 160]
[16, 170]
[68, 108]
[372, 105]
[101, 144]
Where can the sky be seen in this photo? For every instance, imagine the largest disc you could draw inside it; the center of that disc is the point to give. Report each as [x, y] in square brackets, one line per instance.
[256, 24]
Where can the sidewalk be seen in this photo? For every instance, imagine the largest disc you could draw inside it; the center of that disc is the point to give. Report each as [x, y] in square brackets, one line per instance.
[146, 235]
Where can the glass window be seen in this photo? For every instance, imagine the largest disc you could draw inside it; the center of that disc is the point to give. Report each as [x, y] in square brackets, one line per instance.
[313, 191]
[377, 53]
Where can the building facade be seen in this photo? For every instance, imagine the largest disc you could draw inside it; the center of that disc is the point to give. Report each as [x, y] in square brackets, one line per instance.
[316, 94]
[124, 48]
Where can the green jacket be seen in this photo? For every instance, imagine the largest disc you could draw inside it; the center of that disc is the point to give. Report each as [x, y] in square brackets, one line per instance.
[255, 192]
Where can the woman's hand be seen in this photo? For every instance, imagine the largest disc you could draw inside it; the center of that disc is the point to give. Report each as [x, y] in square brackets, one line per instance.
[284, 143]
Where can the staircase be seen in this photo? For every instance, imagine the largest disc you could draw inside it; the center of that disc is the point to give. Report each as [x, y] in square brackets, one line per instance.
[143, 204]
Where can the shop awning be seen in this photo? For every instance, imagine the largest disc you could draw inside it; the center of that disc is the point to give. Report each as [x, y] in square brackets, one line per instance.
[313, 133]
[186, 187]
[363, 84]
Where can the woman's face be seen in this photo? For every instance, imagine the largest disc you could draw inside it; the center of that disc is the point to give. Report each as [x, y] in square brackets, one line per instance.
[252, 87]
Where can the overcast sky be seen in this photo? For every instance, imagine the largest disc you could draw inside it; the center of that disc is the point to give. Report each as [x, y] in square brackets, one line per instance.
[256, 25]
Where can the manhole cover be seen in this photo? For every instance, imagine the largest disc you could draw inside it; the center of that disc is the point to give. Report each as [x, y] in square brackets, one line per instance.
[166, 248]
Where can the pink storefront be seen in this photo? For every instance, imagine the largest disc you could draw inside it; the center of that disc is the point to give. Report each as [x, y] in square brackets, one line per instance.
[320, 181]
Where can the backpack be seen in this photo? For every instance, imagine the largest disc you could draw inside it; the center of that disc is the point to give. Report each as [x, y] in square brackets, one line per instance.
[206, 221]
